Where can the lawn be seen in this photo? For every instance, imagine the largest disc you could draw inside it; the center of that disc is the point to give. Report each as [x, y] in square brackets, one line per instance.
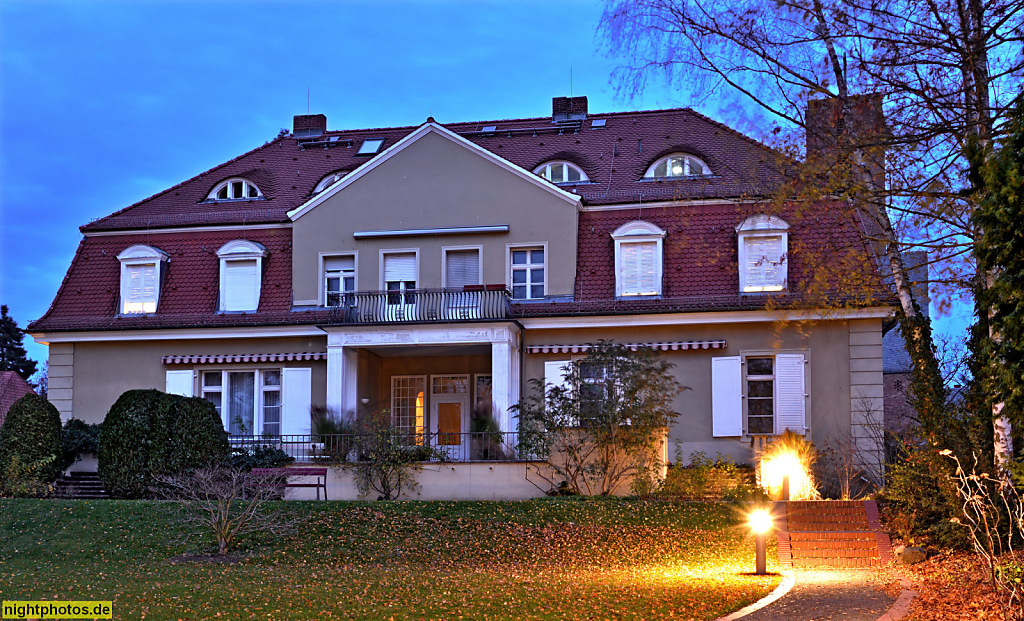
[544, 559]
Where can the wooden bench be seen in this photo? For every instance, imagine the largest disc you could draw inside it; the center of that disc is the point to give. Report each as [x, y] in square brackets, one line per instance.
[319, 473]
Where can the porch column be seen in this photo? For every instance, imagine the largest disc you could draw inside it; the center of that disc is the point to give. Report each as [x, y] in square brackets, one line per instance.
[505, 378]
[335, 378]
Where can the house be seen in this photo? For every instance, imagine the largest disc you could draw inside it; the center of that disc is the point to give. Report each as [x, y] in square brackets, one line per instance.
[436, 270]
[12, 388]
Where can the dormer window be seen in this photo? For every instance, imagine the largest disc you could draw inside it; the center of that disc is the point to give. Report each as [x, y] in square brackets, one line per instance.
[241, 273]
[329, 180]
[141, 270]
[561, 172]
[677, 165]
[638, 259]
[763, 248]
[233, 190]
[370, 146]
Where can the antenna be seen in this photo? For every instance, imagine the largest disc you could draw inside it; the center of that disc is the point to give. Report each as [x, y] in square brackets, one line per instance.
[570, 83]
[307, 100]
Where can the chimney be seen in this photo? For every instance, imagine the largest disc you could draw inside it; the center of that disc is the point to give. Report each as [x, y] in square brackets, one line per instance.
[568, 108]
[309, 125]
[862, 129]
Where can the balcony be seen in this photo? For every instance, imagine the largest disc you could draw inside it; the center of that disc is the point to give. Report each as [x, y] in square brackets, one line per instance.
[476, 302]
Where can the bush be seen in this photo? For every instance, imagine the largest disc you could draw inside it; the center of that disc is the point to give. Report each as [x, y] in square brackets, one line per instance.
[78, 438]
[919, 499]
[249, 457]
[147, 433]
[707, 479]
[31, 434]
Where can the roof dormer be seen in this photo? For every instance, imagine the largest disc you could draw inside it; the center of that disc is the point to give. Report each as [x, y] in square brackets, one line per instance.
[235, 189]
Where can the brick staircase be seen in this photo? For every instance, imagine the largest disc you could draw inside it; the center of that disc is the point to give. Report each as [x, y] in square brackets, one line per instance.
[830, 533]
[81, 486]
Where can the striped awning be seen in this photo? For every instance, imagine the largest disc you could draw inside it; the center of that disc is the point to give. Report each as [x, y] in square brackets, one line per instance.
[236, 358]
[670, 346]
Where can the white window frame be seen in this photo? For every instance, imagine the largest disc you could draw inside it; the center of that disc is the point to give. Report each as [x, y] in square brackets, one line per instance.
[329, 180]
[240, 250]
[759, 227]
[259, 388]
[137, 256]
[778, 401]
[323, 272]
[419, 419]
[444, 261]
[544, 170]
[637, 232]
[366, 149]
[747, 378]
[386, 251]
[687, 169]
[509, 248]
[227, 183]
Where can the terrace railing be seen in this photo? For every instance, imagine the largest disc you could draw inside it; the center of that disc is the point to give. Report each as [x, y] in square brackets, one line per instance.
[421, 305]
[488, 446]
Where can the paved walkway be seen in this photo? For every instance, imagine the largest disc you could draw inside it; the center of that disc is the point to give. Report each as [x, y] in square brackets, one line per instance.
[820, 594]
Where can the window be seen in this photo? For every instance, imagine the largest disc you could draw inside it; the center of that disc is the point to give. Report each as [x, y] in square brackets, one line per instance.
[677, 165]
[638, 259]
[407, 406]
[339, 280]
[760, 396]
[461, 267]
[561, 172]
[248, 401]
[329, 180]
[234, 189]
[370, 146]
[400, 275]
[763, 242]
[527, 273]
[241, 270]
[141, 268]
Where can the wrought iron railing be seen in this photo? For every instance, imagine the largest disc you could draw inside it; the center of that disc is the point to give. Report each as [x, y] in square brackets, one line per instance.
[492, 446]
[421, 305]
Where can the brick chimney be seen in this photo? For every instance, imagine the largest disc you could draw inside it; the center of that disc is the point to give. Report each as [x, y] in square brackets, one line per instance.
[568, 108]
[863, 129]
[309, 125]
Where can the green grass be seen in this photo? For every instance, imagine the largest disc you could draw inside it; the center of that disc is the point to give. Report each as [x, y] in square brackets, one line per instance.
[544, 559]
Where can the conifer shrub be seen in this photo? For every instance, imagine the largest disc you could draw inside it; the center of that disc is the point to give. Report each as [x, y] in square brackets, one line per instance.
[30, 444]
[78, 438]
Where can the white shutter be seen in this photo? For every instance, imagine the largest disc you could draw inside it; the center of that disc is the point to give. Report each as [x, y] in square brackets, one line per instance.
[338, 264]
[462, 267]
[400, 267]
[628, 268]
[790, 393]
[179, 383]
[726, 397]
[763, 263]
[241, 285]
[296, 386]
[554, 373]
[755, 262]
[646, 268]
[141, 283]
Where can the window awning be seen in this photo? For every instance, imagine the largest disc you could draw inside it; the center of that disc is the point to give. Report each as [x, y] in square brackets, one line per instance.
[669, 346]
[236, 358]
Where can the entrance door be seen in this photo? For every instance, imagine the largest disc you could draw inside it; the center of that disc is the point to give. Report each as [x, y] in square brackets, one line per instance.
[449, 413]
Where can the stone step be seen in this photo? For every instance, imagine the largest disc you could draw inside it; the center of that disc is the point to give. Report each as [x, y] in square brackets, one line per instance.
[80, 485]
[831, 534]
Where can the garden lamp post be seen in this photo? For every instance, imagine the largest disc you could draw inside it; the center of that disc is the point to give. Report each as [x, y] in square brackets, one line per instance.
[760, 522]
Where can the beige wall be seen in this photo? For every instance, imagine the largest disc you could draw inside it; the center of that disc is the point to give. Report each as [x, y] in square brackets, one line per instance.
[102, 371]
[435, 183]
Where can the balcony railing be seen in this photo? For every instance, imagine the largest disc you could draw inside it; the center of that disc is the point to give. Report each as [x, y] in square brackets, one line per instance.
[496, 446]
[421, 305]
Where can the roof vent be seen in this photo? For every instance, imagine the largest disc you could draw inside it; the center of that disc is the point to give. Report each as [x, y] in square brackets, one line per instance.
[568, 108]
[309, 126]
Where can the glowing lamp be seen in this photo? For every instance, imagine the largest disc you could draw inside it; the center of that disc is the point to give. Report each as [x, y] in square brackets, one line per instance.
[760, 522]
[785, 476]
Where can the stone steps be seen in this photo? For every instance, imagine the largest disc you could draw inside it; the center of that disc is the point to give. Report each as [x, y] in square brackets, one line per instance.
[80, 486]
[830, 533]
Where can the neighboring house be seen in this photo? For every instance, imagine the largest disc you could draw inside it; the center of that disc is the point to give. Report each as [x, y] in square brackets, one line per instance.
[435, 270]
[897, 367]
[12, 388]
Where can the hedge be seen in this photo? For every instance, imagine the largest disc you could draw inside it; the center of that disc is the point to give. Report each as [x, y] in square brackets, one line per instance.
[31, 433]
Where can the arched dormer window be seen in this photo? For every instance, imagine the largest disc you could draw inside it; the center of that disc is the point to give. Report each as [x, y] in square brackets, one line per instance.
[677, 165]
[241, 274]
[329, 180]
[763, 253]
[561, 172]
[141, 272]
[234, 189]
[638, 259]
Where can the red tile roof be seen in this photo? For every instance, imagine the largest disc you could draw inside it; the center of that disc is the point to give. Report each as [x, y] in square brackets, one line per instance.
[12, 388]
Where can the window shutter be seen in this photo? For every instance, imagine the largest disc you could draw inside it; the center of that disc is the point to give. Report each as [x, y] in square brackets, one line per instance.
[763, 262]
[554, 373]
[726, 397]
[179, 383]
[296, 386]
[338, 264]
[241, 286]
[400, 267]
[628, 269]
[462, 267]
[141, 283]
[638, 267]
[646, 275]
[790, 393]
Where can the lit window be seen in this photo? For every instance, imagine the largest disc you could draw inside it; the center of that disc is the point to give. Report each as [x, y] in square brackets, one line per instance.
[677, 165]
[234, 189]
[248, 401]
[407, 407]
[339, 280]
[638, 259]
[241, 270]
[561, 172]
[527, 273]
[141, 268]
[329, 180]
[370, 146]
[763, 248]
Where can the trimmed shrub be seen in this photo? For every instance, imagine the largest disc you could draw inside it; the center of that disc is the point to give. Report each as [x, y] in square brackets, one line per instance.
[77, 439]
[251, 457]
[148, 433]
[31, 435]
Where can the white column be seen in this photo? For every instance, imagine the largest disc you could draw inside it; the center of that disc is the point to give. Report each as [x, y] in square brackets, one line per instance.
[504, 379]
[349, 396]
[335, 378]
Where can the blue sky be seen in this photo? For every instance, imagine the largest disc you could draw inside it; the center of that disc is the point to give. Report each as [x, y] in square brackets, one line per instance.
[105, 103]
